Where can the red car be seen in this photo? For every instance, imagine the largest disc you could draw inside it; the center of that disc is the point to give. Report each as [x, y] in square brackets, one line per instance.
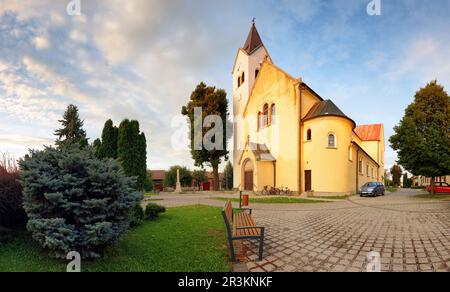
[440, 188]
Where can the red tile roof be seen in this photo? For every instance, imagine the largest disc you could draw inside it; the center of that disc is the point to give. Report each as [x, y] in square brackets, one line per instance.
[369, 132]
[158, 174]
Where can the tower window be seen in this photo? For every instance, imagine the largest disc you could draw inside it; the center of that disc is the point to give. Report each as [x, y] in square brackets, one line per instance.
[265, 115]
[331, 141]
[259, 120]
[273, 114]
[243, 78]
[256, 73]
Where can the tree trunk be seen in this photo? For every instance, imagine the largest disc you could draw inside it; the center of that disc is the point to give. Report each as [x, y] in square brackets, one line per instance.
[216, 177]
[432, 184]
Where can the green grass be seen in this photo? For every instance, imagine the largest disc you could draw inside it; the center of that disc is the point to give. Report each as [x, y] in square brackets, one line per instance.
[273, 200]
[392, 190]
[186, 239]
[438, 197]
[150, 194]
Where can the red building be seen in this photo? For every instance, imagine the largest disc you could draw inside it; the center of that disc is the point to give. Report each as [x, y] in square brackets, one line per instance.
[158, 179]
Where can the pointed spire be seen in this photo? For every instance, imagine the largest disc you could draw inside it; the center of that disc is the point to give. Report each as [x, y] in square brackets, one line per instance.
[253, 40]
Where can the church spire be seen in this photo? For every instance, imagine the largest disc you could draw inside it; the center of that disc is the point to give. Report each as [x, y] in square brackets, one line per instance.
[254, 41]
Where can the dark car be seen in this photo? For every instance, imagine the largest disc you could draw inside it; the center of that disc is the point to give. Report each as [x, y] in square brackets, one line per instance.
[372, 189]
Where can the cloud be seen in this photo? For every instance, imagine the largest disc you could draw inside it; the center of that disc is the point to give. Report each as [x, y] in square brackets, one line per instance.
[423, 59]
[41, 43]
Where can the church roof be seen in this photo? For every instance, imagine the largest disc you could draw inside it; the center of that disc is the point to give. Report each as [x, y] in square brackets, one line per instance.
[369, 132]
[253, 42]
[325, 108]
[261, 152]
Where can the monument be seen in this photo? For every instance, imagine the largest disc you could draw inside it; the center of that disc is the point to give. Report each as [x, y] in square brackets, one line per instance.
[178, 188]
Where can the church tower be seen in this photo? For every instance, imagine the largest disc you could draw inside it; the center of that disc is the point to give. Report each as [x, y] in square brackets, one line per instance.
[246, 68]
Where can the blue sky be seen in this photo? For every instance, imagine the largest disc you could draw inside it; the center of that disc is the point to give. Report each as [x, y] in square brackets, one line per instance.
[141, 59]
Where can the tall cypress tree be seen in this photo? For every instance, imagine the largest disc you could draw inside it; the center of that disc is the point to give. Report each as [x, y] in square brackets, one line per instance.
[108, 148]
[72, 131]
[131, 151]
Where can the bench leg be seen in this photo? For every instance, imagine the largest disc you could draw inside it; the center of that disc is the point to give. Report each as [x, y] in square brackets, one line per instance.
[261, 245]
[232, 256]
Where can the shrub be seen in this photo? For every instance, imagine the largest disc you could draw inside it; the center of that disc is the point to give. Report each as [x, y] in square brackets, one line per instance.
[152, 211]
[137, 216]
[76, 202]
[5, 234]
[12, 214]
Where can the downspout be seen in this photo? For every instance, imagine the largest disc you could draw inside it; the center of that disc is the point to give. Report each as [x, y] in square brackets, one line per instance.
[274, 174]
[300, 138]
[357, 171]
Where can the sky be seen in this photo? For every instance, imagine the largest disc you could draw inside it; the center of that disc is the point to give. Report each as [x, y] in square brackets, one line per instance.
[141, 60]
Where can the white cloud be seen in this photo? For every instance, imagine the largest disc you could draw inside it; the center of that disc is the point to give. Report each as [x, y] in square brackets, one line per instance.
[41, 43]
[423, 58]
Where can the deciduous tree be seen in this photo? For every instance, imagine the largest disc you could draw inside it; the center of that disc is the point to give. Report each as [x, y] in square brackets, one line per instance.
[213, 102]
[422, 139]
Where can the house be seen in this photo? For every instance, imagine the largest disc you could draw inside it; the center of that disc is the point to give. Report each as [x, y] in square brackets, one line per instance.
[422, 181]
[287, 135]
[158, 179]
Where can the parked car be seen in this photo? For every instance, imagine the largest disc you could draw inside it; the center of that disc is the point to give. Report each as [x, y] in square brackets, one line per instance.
[440, 188]
[372, 189]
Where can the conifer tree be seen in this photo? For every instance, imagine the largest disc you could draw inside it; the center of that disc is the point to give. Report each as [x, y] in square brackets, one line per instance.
[72, 132]
[75, 201]
[132, 152]
[108, 148]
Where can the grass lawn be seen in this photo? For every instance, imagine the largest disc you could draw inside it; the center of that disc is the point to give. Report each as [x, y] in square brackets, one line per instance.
[392, 190]
[274, 200]
[186, 239]
[439, 197]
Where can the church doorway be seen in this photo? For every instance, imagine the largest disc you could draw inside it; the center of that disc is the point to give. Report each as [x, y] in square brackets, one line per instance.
[248, 175]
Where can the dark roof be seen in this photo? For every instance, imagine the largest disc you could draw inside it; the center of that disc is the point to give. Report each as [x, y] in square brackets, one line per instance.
[323, 109]
[261, 152]
[253, 41]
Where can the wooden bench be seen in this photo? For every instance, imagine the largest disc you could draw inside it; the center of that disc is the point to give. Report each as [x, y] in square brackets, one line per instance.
[240, 225]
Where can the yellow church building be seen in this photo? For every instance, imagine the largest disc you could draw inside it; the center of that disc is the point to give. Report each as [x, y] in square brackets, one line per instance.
[288, 136]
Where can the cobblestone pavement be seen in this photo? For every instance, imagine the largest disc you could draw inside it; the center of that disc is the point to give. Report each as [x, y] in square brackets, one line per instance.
[410, 234]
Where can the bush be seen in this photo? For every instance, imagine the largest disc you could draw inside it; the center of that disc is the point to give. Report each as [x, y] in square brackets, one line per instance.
[76, 202]
[5, 234]
[152, 211]
[12, 214]
[137, 216]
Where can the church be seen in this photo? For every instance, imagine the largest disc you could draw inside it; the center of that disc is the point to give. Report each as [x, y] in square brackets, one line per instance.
[287, 136]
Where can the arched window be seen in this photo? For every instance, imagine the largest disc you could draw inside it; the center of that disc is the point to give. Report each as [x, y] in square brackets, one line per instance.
[309, 135]
[350, 153]
[360, 166]
[256, 73]
[273, 114]
[243, 78]
[332, 141]
[265, 115]
[259, 120]
[239, 82]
